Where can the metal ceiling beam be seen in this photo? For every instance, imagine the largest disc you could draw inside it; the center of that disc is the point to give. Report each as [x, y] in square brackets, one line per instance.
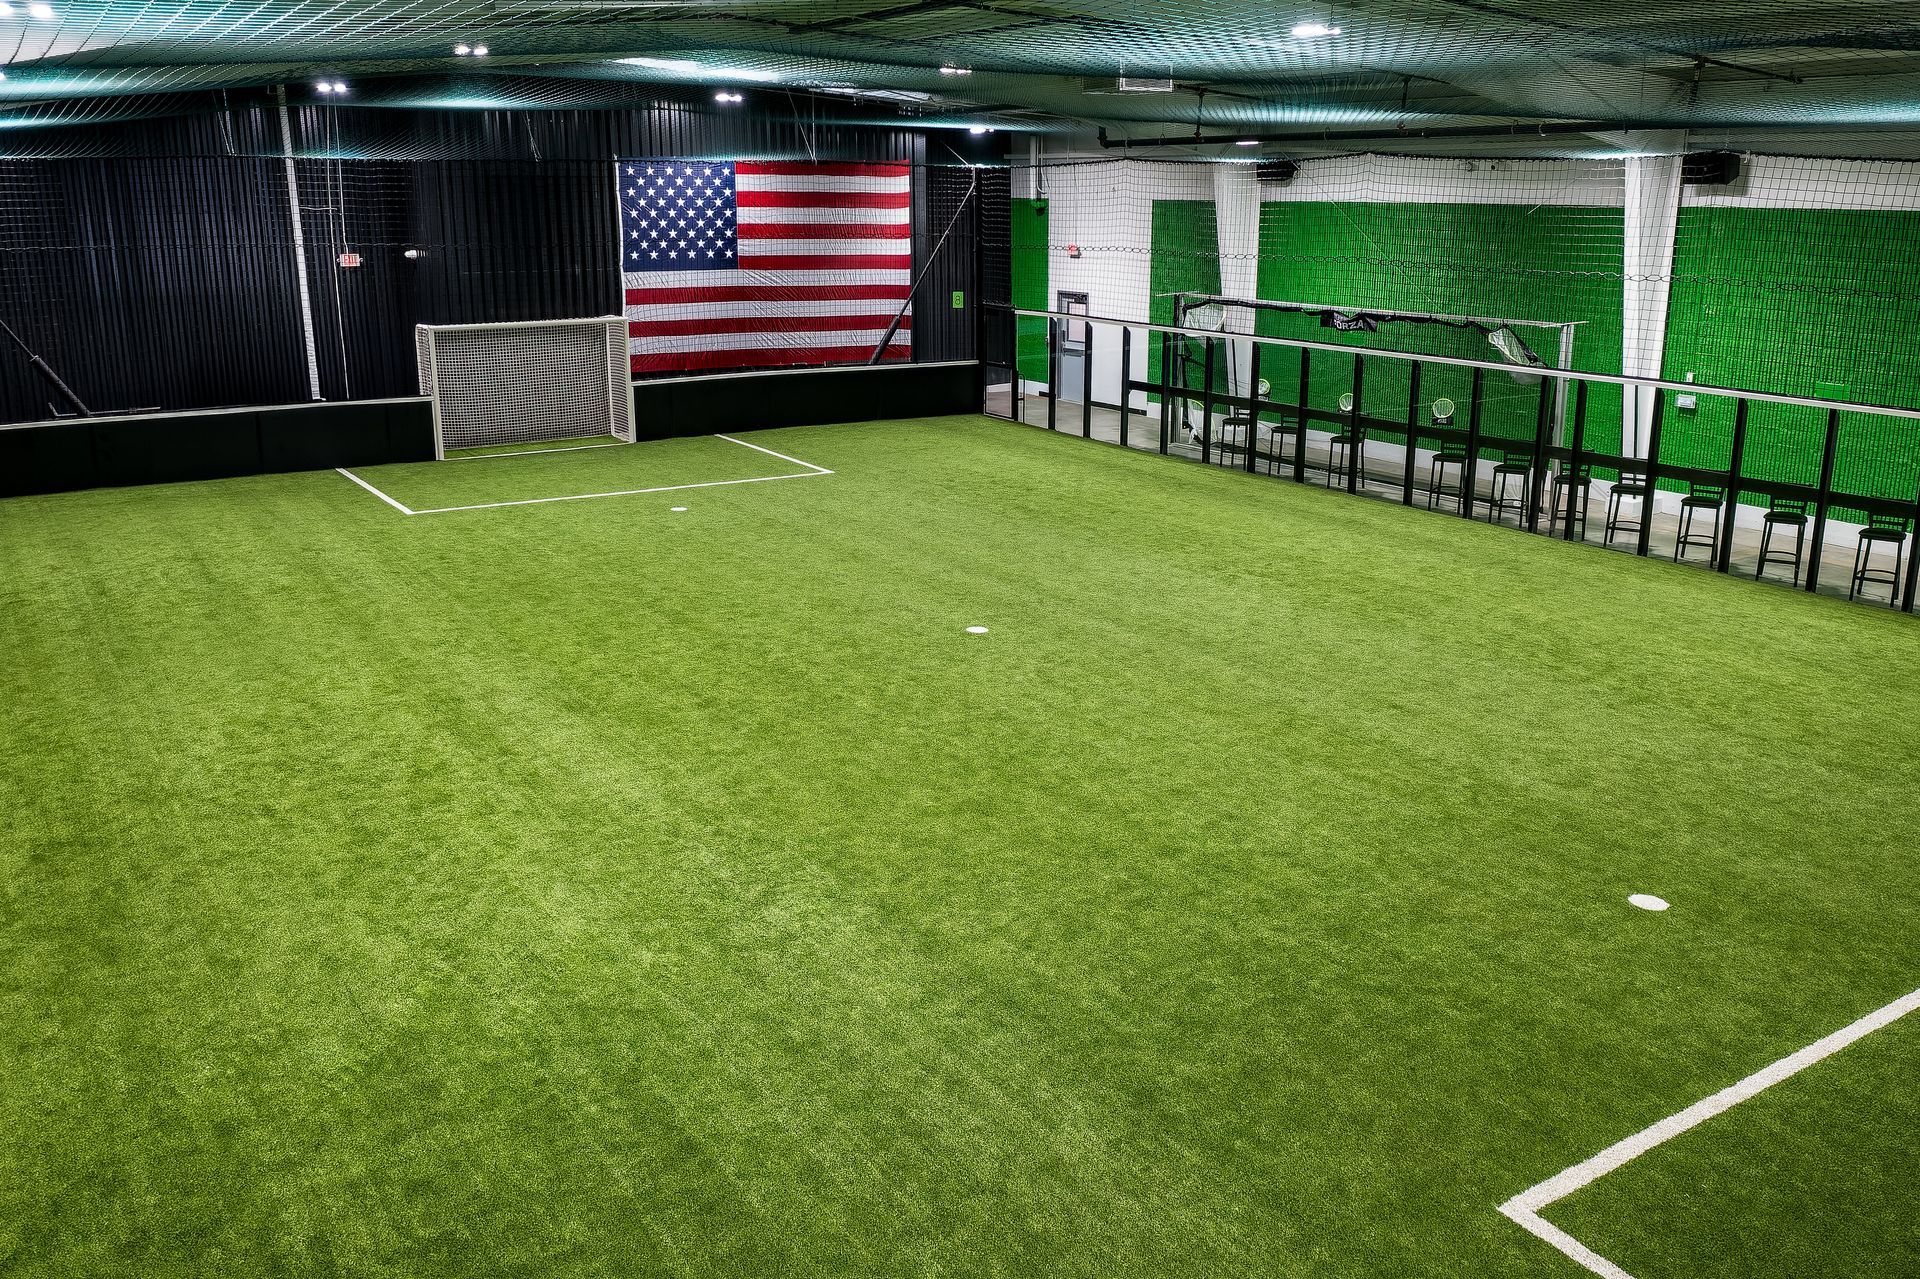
[1197, 139]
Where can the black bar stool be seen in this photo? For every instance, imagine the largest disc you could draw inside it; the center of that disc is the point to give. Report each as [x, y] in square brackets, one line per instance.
[1783, 512]
[1511, 467]
[1348, 440]
[1700, 497]
[1277, 432]
[1572, 488]
[1445, 455]
[1630, 486]
[1881, 530]
[1240, 429]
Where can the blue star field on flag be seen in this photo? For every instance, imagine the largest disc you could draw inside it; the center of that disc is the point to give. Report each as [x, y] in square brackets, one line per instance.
[678, 216]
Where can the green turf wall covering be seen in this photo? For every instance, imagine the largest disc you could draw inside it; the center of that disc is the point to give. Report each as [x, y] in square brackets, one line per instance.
[1802, 302]
[1185, 258]
[1031, 288]
[1516, 261]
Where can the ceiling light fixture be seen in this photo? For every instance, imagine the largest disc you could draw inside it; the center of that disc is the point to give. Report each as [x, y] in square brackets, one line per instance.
[686, 66]
[682, 65]
[479, 50]
[44, 12]
[952, 70]
[6, 10]
[1313, 31]
[977, 129]
[1247, 142]
[725, 96]
[461, 50]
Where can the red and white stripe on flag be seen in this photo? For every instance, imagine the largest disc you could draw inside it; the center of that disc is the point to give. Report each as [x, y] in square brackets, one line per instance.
[759, 264]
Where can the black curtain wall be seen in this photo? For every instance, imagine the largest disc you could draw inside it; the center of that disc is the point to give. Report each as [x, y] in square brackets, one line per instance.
[153, 264]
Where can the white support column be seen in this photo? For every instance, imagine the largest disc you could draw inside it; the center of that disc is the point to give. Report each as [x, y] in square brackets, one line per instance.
[1236, 206]
[1652, 218]
[299, 247]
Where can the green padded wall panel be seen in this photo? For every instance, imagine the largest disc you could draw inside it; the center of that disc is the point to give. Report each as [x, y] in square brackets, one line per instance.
[1031, 289]
[1185, 258]
[1513, 261]
[1814, 302]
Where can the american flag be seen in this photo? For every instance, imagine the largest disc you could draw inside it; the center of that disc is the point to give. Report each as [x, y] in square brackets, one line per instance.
[754, 264]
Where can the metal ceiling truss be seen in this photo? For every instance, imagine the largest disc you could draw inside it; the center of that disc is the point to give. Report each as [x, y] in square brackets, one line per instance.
[1413, 69]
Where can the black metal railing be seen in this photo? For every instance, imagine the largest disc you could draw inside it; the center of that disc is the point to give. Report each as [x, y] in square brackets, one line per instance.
[1557, 444]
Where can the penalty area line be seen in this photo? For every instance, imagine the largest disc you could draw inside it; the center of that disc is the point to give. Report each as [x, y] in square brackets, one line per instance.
[404, 510]
[1524, 1208]
[817, 470]
[584, 497]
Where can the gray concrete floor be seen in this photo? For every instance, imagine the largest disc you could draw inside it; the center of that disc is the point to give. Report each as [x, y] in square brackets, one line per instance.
[1383, 481]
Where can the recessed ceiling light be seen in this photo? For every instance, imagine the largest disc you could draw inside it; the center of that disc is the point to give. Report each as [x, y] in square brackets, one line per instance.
[479, 50]
[952, 70]
[339, 86]
[44, 12]
[724, 96]
[1313, 30]
[324, 87]
[978, 129]
[1247, 142]
[461, 50]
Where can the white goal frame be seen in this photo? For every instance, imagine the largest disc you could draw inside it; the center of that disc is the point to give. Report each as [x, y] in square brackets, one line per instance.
[433, 342]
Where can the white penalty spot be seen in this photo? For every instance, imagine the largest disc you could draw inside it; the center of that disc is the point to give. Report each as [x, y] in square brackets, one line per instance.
[976, 630]
[1647, 901]
[678, 508]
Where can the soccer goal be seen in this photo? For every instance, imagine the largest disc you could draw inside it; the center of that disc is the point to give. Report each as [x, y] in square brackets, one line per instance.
[526, 383]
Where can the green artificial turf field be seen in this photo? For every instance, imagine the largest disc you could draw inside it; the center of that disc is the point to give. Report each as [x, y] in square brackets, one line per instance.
[589, 888]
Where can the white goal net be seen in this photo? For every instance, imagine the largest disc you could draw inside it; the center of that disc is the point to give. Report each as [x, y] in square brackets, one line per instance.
[525, 383]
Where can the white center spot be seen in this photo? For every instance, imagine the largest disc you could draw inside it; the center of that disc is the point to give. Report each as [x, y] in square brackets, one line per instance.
[1647, 901]
[679, 508]
[976, 630]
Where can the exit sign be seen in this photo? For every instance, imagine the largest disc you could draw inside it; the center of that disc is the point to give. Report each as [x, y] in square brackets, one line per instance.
[349, 259]
[959, 300]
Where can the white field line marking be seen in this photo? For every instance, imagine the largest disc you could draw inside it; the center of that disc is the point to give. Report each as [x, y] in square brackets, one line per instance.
[807, 474]
[817, 470]
[582, 497]
[376, 492]
[1524, 1208]
[571, 448]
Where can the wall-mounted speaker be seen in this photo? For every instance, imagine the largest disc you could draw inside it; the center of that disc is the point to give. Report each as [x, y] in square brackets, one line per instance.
[1278, 171]
[1710, 168]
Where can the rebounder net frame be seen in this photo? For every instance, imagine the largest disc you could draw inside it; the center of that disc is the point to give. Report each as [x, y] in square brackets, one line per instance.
[1412, 332]
[525, 382]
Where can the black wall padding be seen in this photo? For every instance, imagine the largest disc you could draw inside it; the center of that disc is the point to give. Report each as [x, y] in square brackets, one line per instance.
[164, 277]
[163, 448]
[752, 401]
[46, 459]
